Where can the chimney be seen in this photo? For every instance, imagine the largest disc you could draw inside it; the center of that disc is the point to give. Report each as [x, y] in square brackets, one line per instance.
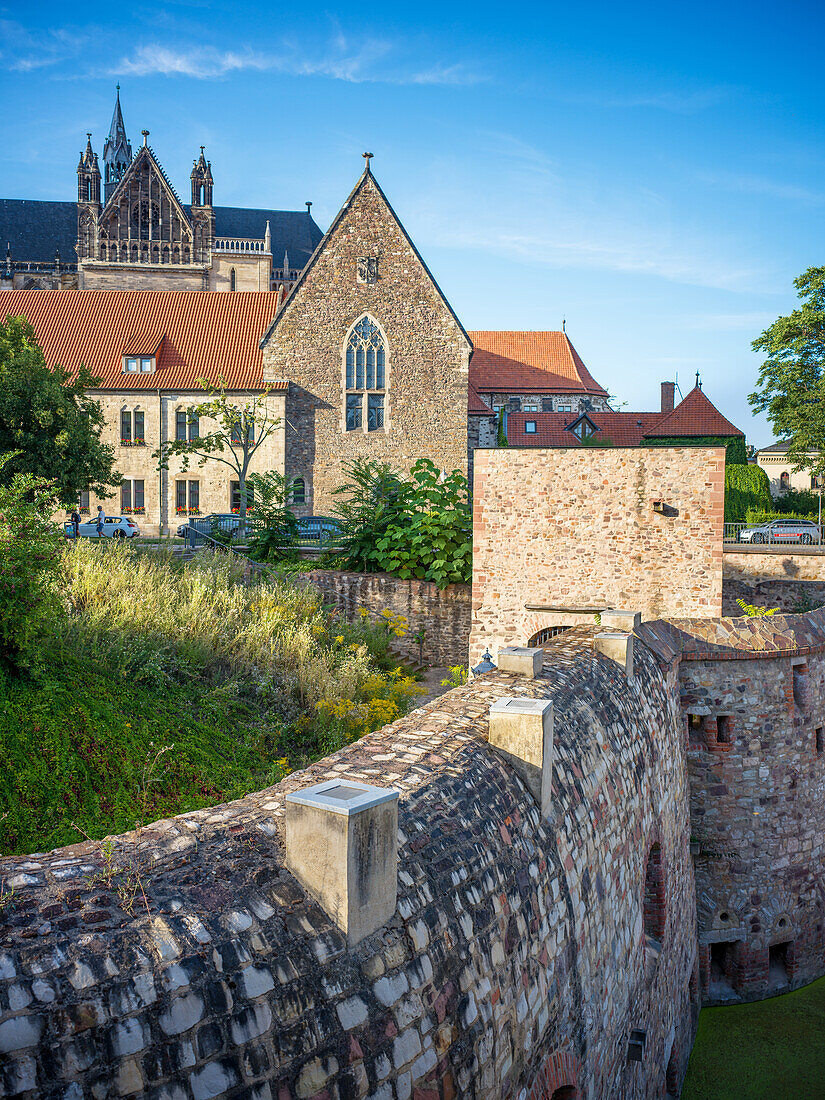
[668, 391]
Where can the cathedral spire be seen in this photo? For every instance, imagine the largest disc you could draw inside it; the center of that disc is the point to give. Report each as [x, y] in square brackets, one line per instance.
[117, 152]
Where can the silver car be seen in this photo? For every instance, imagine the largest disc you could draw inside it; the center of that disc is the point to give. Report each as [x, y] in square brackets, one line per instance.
[803, 531]
[114, 527]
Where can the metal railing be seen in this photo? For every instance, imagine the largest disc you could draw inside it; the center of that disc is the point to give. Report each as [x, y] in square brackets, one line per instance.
[228, 532]
[794, 537]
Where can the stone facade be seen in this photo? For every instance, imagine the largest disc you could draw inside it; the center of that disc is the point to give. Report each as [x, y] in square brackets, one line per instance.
[426, 353]
[443, 613]
[752, 696]
[135, 462]
[773, 577]
[522, 955]
[560, 534]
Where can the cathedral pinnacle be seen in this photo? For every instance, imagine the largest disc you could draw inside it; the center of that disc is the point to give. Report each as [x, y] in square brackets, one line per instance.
[117, 152]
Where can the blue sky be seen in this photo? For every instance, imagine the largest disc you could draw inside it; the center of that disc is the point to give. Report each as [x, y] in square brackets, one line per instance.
[652, 173]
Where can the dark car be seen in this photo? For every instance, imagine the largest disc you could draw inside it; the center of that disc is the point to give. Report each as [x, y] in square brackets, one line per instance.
[223, 521]
[318, 528]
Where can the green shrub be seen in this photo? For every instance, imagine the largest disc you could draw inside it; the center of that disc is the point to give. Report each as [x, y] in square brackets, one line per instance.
[746, 487]
[419, 526]
[798, 502]
[30, 552]
[755, 516]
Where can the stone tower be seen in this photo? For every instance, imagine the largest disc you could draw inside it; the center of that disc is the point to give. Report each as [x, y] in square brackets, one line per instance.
[203, 216]
[88, 202]
[117, 152]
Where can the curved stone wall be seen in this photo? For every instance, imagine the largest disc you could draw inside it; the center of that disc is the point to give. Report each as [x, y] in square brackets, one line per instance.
[522, 954]
[753, 700]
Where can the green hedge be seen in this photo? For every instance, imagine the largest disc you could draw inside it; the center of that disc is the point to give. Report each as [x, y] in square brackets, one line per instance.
[756, 515]
[747, 489]
[735, 453]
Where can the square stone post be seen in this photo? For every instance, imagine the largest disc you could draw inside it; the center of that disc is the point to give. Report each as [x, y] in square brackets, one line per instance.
[522, 731]
[342, 846]
[521, 659]
[618, 647]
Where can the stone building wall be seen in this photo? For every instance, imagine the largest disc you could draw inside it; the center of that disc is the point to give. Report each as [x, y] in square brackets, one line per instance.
[99, 275]
[137, 462]
[753, 699]
[517, 960]
[559, 534]
[427, 353]
[792, 580]
[443, 613]
[252, 270]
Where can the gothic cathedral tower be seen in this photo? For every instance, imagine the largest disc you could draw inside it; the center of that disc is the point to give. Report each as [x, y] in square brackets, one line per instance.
[88, 202]
[203, 216]
[117, 152]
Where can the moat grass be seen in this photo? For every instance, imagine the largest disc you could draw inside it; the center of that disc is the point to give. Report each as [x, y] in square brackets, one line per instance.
[246, 680]
[766, 1050]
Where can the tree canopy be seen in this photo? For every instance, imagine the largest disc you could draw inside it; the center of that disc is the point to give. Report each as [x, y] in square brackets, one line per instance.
[791, 384]
[47, 423]
[239, 427]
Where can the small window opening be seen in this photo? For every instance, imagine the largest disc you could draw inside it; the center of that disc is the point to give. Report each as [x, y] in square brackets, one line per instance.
[298, 491]
[232, 279]
[724, 729]
[695, 728]
[654, 909]
[566, 1092]
[819, 736]
[530, 426]
[779, 960]
[800, 684]
[722, 968]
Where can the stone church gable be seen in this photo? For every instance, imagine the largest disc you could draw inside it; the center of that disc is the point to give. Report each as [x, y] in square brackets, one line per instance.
[367, 284]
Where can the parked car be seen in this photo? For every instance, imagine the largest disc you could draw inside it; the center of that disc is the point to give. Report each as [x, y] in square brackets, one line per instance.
[114, 527]
[322, 528]
[224, 521]
[803, 531]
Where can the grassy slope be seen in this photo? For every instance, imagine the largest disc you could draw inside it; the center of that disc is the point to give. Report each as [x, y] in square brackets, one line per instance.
[75, 747]
[767, 1050]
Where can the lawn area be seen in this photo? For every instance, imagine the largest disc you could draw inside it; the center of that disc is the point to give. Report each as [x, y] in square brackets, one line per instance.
[766, 1050]
[168, 687]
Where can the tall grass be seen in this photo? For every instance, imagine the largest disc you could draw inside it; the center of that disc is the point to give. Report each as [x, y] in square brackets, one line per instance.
[158, 619]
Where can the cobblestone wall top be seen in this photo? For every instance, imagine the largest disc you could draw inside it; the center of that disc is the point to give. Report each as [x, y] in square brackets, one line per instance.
[743, 637]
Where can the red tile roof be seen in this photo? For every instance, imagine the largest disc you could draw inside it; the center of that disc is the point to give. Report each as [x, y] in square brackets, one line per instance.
[529, 362]
[195, 334]
[694, 417]
[475, 405]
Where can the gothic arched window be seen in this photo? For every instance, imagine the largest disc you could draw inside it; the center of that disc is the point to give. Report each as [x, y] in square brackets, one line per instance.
[365, 363]
[784, 481]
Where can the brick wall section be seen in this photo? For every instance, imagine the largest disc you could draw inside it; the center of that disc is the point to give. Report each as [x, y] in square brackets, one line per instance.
[756, 799]
[512, 962]
[577, 529]
[427, 354]
[444, 613]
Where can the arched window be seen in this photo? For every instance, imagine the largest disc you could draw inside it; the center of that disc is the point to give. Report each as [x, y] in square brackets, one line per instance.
[232, 279]
[365, 377]
[784, 481]
[298, 491]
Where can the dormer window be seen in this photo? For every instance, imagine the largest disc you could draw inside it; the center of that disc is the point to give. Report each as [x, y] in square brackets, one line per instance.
[582, 428]
[530, 427]
[138, 364]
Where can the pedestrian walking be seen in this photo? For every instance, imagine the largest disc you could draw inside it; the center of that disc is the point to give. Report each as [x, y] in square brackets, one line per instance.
[75, 521]
[101, 516]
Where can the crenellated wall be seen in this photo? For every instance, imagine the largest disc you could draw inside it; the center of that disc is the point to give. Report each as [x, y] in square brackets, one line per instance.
[521, 955]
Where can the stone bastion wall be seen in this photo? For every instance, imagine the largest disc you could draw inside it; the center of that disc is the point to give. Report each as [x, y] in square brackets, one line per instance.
[527, 953]
[785, 577]
[753, 700]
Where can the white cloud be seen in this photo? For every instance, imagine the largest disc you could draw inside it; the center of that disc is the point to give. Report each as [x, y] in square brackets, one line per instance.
[372, 60]
[24, 51]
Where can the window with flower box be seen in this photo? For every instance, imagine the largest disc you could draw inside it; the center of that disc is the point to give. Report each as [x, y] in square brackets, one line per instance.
[235, 497]
[83, 506]
[237, 430]
[131, 496]
[132, 428]
[187, 498]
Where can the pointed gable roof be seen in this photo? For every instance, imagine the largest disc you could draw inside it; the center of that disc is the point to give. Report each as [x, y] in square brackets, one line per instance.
[695, 416]
[529, 362]
[144, 154]
[366, 178]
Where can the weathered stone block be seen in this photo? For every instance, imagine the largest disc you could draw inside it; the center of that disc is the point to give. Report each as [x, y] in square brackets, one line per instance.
[342, 846]
[520, 659]
[618, 647]
[522, 731]
[613, 619]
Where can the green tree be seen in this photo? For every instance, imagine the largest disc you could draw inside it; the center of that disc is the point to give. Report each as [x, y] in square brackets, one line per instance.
[277, 537]
[30, 552]
[791, 383]
[47, 423]
[242, 424]
[373, 502]
[746, 487]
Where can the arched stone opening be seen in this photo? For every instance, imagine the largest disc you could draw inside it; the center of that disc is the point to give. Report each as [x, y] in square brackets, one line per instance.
[654, 909]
